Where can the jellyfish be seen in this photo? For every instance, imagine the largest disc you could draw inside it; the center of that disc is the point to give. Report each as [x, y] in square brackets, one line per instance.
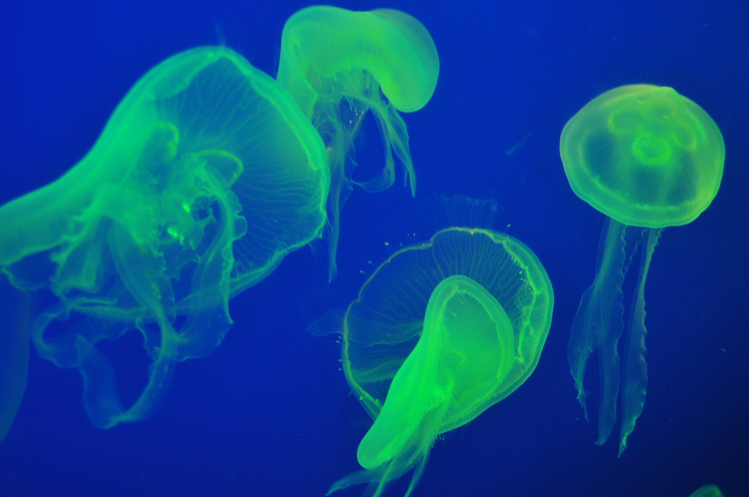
[707, 491]
[439, 333]
[647, 158]
[205, 176]
[338, 65]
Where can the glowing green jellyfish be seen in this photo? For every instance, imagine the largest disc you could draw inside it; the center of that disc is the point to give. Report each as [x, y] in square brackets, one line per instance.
[440, 332]
[648, 158]
[205, 176]
[707, 491]
[338, 65]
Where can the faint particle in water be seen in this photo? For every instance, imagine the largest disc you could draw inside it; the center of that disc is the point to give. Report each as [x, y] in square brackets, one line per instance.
[519, 144]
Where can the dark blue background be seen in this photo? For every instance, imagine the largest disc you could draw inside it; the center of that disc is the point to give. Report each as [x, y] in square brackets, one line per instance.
[269, 413]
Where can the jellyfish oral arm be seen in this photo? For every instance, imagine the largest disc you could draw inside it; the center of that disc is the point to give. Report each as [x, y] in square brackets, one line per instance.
[636, 368]
[599, 323]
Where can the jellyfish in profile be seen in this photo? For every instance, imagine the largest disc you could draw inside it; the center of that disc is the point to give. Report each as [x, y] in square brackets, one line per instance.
[440, 332]
[205, 176]
[647, 158]
[339, 65]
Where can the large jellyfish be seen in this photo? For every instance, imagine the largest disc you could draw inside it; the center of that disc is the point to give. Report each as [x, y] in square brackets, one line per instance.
[205, 176]
[338, 65]
[440, 332]
[648, 158]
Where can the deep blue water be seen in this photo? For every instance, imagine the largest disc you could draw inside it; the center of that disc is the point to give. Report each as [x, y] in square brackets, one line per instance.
[269, 413]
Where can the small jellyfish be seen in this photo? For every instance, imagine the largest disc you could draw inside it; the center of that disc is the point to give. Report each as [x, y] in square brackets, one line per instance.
[339, 65]
[647, 158]
[440, 332]
[205, 176]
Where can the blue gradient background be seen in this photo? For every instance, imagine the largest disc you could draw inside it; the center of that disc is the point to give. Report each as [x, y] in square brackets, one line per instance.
[269, 413]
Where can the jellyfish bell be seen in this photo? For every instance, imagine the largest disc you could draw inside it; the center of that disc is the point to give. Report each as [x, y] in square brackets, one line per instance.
[385, 46]
[440, 332]
[644, 155]
[339, 65]
[648, 158]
